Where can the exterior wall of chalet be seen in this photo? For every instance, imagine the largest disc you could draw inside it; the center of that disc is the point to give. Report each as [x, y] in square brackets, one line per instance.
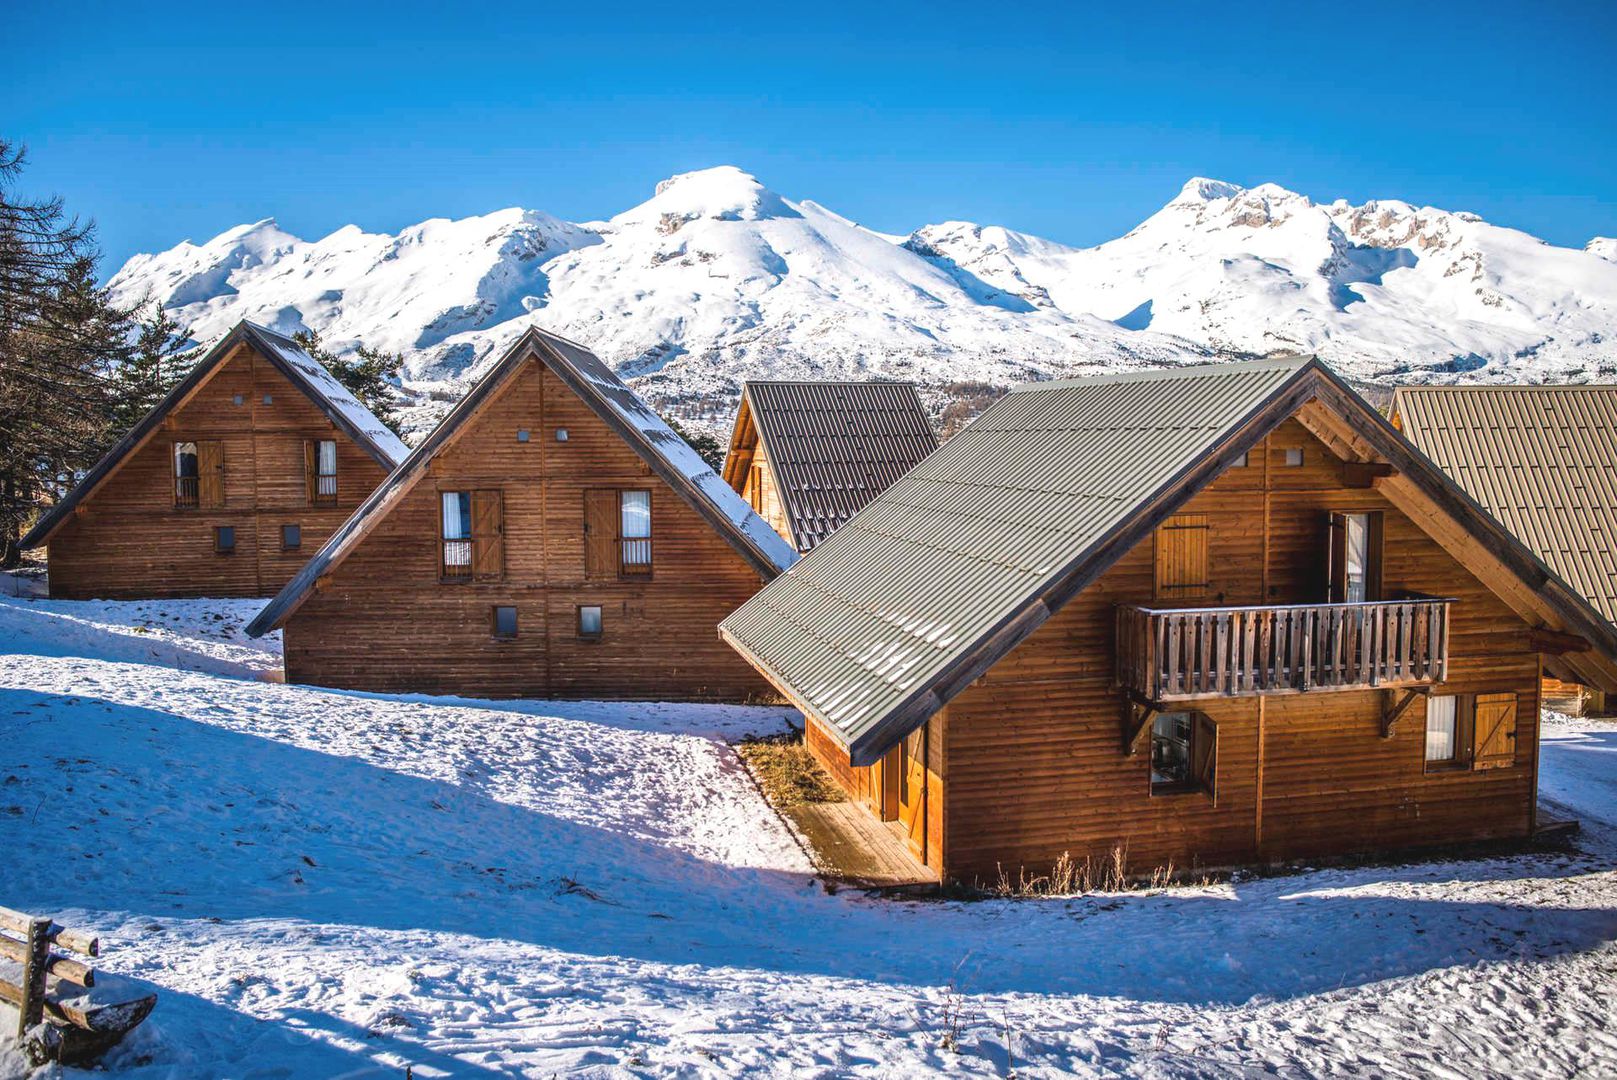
[385, 620]
[763, 495]
[1027, 763]
[130, 540]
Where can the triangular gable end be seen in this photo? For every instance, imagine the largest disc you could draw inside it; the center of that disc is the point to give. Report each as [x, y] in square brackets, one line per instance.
[613, 403]
[1338, 417]
[296, 366]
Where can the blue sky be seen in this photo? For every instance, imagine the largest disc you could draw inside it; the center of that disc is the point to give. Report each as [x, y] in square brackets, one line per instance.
[1072, 122]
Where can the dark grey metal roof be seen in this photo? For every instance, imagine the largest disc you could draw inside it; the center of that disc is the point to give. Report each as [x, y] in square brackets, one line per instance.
[832, 446]
[872, 629]
[636, 422]
[301, 369]
[1541, 459]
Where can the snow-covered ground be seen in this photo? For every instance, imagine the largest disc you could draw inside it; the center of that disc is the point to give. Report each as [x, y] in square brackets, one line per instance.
[321, 883]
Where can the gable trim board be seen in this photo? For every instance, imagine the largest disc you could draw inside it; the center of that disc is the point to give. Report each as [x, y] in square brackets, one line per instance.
[829, 447]
[299, 368]
[668, 456]
[795, 631]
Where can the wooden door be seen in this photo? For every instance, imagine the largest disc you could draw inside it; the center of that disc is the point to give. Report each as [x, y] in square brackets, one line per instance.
[912, 790]
[488, 535]
[1181, 558]
[1494, 725]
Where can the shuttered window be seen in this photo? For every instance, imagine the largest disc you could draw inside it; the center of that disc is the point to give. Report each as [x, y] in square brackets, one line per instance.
[1184, 753]
[1475, 731]
[1181, 557]
[1355, 557]
[320, 471]
[617, 534]
[634, 533]
[185, 474]
[488, 535]
[1442, 729]
[472, 535]
[1494, 722]
[199, 473]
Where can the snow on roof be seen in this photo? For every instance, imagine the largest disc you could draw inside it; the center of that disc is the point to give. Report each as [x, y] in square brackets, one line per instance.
[324, 386]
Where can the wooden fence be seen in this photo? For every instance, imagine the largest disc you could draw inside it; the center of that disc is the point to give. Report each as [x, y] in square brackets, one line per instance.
[30, 942]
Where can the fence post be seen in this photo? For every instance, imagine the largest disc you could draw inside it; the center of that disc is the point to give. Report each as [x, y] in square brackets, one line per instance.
[34, 966]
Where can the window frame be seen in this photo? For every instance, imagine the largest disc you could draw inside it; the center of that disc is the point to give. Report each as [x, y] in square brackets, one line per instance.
[181, 501]
[640, 571]
[444, 539]
[600, 621]
[285, 525]
[1286, 454]
[219, 547]
[1196, 723]
[494, 622]
[316, 475]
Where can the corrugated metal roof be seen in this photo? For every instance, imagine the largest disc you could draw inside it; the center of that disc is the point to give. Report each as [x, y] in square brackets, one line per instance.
[834, 446]
[301, 370]
[957, 549]
[1541, 459]
[637, 423]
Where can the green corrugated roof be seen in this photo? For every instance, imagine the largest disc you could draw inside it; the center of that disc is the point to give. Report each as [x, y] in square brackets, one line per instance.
[965, 547]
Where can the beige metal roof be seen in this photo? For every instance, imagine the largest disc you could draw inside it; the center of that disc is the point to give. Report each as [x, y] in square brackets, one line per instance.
[832, 446]
[1541, 459]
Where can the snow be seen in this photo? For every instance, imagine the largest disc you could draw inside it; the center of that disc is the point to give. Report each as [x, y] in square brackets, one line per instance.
[1603, 246]
[716, 278]
[321, 883]
[325, 386]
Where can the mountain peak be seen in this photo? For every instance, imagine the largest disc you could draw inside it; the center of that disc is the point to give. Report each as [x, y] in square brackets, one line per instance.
[1603, 246]
[1200, 189]
[723, 192]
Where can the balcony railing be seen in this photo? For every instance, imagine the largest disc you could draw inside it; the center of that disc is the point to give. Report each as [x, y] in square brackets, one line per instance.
[324, 492]
[456, 561]
[1179, 654]
[185, 491]
[634, 557]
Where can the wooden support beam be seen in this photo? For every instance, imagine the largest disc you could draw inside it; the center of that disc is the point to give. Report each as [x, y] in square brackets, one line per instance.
[1363, 474]
[1136, 722]
[1393, 707]
[1556, 642]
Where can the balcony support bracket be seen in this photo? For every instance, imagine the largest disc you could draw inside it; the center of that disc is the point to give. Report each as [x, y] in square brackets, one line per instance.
[1137, 717]
[1393, 707]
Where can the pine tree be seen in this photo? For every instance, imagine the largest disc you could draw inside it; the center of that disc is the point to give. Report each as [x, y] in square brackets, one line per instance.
[371, 375]
[159, 361]
[61, 338]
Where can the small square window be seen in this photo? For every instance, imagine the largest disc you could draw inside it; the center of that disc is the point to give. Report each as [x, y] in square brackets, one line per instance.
[1239, 463]
[269, 399]
[291, 537]
[1294, 456]
[236, 399]
[505, 622]
[561, 434]
[522, 434]
[589, 623]
[224, 539]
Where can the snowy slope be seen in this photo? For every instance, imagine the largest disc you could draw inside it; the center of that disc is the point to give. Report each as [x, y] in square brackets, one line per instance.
[321, 883]
[1603, 246]
[716, 278]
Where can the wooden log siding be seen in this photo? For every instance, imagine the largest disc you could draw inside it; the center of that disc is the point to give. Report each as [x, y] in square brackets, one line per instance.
[1167, 655]
[383, 621]
[1029, 762]
[129, 540]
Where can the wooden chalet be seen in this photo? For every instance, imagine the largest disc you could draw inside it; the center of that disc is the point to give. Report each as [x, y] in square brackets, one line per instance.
[1208, 616]
[807, 456]
[1543, 460]
[552, 537]
[226, 487]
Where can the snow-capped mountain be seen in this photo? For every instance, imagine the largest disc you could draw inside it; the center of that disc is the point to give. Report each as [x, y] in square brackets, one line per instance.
[1603, 246]
[716, 279]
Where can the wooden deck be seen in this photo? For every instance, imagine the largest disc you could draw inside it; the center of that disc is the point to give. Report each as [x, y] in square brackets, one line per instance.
[850, 846]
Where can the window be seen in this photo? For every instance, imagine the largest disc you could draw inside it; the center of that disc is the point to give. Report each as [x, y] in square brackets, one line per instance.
[589, 622]
[1181, 558]
[1475, 731]
[561, 434]
[1184, 749]
[224, 539]
[634, 532]
[457, 535]
[291, 537]
[1294, 457]
[522, 434]
[1355, 558]
[505, 622]
[1240, 462]
[199, 473]
[185, 474]
[320, 470]
[269, 399]
[235, 399]
[755, 488]
[472, 535]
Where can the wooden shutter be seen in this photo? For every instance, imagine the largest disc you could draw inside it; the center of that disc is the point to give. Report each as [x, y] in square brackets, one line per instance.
[1181, 552]
[1204, 755]
[311, 467]
[210, 473]
[1494, 725]
[1337, 592]
[488, 535]
[601, 534]
[1372, 556]
[1336, 589]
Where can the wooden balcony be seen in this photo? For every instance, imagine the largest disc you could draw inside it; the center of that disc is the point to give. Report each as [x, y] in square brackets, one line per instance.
[1181, 654]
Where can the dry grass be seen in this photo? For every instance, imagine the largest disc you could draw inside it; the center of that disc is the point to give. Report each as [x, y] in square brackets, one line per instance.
[1068, 877]
[787, 772]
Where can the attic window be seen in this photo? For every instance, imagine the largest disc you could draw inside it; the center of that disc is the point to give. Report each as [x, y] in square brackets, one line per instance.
[1240, 462]
[522, 434]
[269, 399]
[561, 434]
[1294, 457]
[236, 399]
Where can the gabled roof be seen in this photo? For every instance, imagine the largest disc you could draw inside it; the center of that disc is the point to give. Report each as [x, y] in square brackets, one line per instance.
[1541, 459]
[971, 551]
[301, 369]
[668, 455]
[832, 446]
